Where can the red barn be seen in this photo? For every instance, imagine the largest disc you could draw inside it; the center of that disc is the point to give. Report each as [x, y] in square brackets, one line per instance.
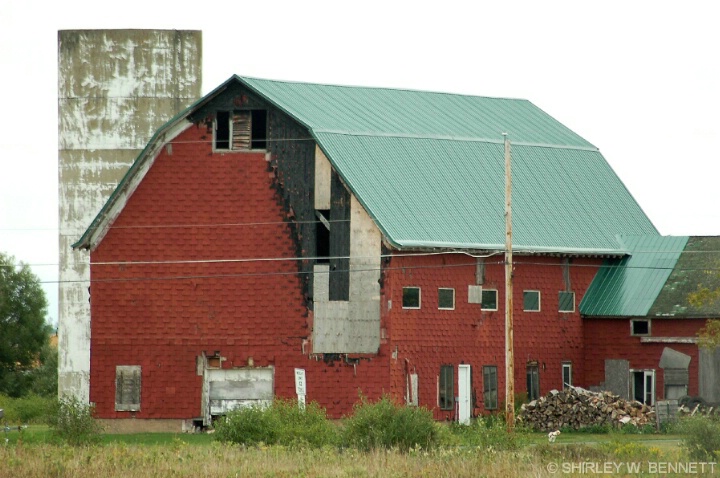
[293, 239]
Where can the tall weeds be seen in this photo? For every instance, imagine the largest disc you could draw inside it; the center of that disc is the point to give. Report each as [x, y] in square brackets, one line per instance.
[73, 422]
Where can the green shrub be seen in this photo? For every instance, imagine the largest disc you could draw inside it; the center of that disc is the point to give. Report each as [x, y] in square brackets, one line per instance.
[73, 422]
[669, 427]
[26, 410]
[489, 432]
[282, 423]
[385, 424]
[702, 437]
[34, 408]
[44, 378]
[247, 426]
[301, 427]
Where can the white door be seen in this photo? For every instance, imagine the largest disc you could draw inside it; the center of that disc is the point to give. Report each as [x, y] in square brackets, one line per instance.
[643, 386]
[649, 377]
[464, 393]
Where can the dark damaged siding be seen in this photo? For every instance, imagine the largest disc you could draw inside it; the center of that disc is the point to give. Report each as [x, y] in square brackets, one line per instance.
[292, 164]
[339, 240]
[292, 159]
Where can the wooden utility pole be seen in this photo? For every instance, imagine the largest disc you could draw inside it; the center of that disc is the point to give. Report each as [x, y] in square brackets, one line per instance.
[509, 354]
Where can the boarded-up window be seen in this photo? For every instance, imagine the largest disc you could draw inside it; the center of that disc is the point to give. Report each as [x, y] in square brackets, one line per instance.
[490, 387]
[474, 294]
[242, 130]
[127, 387]
[676, 382]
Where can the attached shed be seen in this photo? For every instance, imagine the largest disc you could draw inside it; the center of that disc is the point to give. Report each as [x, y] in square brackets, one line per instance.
[645, 310]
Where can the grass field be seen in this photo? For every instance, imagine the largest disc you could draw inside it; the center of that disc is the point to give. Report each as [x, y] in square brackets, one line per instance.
[32, 452]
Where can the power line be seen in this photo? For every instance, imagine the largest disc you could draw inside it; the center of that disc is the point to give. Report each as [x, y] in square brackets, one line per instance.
[180, 226]
[254, 274]
[371, 269]
[381, 256]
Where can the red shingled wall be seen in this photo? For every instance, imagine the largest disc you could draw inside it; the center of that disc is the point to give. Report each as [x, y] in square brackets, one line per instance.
[611, 339]
[428, 338]
[161, 316]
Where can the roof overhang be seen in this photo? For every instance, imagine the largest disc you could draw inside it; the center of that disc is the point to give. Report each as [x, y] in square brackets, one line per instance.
[518, 249]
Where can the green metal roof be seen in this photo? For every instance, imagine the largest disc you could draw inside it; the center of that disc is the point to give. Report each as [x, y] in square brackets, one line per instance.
[696, 271]
[429, 168]
[422, 114]
[628, 287]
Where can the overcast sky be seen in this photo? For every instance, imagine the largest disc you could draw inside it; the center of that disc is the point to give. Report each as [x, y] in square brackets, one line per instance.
[638, 79]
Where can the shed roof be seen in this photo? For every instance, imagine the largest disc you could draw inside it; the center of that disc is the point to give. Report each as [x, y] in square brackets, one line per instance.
[628, 287]
[429, 168]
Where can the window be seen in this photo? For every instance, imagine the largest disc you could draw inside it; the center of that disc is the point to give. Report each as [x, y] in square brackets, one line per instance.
[566, 301]
[446, 299]
[489, 299]
[446, 396]
[639, 327]
[531, 301]
[567, 374]
[322, 236]
[127, 388]
[411, 298]
[240, 131]
[533, 381]
[490, 387]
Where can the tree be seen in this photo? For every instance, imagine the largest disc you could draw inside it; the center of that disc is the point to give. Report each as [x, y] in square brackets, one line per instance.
[24, 331]
[709, 336]
[44, 378]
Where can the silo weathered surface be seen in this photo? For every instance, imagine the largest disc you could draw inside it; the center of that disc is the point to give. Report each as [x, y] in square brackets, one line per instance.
[115, 89]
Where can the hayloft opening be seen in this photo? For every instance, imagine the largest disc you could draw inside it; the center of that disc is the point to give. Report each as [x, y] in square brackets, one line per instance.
[322, 236]
[222, 130]
[241, 130]
[259, 129]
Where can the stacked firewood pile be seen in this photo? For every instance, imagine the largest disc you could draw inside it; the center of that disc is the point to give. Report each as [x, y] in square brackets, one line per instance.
[577, 408]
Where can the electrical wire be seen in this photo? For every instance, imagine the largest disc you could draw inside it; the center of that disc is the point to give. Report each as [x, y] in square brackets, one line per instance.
[372, 269]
